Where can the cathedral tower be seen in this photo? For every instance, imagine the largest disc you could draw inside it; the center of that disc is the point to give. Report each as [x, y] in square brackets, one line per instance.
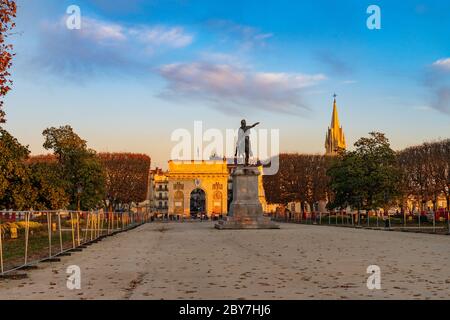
[335, 139]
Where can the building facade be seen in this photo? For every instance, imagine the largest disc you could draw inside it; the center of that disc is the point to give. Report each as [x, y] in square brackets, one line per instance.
[159, 191]
[193, 188]
[198, 187]
[416, 205]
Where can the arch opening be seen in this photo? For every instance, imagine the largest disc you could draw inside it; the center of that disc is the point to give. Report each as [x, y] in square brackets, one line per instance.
[197, 203]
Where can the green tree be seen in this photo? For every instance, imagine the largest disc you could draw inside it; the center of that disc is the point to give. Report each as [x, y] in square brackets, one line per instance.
[368, 177]
[15, 189]
[80, 166]
[48, 183]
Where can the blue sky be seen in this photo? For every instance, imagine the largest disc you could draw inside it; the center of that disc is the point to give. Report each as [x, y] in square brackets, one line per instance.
[137, 70]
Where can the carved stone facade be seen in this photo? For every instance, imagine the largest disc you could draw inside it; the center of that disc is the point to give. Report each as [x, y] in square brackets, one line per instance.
[188, 179]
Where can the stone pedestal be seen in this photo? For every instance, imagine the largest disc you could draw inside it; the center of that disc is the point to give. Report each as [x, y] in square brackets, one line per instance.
[246, 210]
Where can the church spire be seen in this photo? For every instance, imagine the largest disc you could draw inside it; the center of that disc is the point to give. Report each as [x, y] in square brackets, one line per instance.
[335, 117]
[335, 138]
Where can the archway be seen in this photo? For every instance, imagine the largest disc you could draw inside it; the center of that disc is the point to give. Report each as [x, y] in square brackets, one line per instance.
[198, 202]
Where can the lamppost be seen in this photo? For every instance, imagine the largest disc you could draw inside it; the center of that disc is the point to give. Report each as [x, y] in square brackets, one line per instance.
[448, 207]
[79, 191]
[386, 201]
[359, 200]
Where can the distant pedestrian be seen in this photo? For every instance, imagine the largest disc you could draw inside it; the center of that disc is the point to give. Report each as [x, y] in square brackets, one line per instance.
[386, 222]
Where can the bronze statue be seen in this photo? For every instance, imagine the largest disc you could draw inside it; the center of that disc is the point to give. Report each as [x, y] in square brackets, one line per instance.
[243, 147]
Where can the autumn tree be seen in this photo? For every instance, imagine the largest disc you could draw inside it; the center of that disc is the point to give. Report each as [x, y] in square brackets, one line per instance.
[441, 154]
[319, 184]
[126, 177]
[426, 170]
[284, 186]
[272, 188]
[412, 162]
[300, 178]
[79, 165]
[8, 9]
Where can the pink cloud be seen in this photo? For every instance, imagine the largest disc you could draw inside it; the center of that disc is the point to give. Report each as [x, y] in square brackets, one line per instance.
[230, 87]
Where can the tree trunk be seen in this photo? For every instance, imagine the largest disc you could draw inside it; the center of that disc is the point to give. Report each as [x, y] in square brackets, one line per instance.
[448, 202]
[435, 204]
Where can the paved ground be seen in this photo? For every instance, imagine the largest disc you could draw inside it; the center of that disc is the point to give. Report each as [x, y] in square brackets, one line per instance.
[195, 261]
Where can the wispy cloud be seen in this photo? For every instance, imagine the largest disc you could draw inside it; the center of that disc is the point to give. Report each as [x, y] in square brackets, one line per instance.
[159, 36]
[423, 108]
[442, 64]
[441, 99]
[349, 82]
[222, 58]
[230, 88]
[120, 6]
[98, 31]
[437, 80]
[246, 37]
[334, 63]
[102, 46]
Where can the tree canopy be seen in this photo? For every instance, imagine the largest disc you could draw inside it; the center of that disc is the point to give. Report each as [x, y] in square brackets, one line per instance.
[15, 189]
[368, 177]
[80, 167]
[300, 178]
[48, 184]
[126, 177]
[426, 171]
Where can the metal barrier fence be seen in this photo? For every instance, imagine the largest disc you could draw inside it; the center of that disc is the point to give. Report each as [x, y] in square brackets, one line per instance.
[432, 223]
[29, 237]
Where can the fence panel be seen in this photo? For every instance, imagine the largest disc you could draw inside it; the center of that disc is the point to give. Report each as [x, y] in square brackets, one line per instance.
[29, 237]
[438, 222]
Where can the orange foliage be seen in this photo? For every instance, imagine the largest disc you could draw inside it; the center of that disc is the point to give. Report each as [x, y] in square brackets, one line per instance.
[8, 9]
[126, 176]
[42, 158]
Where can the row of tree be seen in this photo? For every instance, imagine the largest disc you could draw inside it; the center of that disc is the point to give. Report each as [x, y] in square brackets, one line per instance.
[72, 177]
[300, 178]
[370, 177]
[426, 170]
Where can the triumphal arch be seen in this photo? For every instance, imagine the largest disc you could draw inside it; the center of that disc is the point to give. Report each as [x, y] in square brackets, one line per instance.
[198, 187]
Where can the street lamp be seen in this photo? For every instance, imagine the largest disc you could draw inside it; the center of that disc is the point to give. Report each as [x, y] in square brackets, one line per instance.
[79, 191]
[386, 200]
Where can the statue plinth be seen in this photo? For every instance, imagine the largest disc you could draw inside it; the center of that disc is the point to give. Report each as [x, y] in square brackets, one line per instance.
[246, 210]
